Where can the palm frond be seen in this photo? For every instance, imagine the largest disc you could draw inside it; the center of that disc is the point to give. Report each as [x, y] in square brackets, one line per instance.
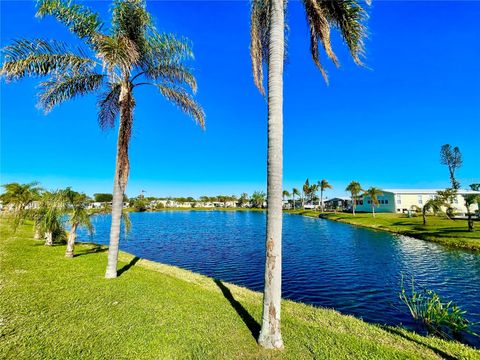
[79, 19]
[184, 101]
[40, 57]
[67, 86]
[259, 37]
[349, 17]
[173, 73]
[108, 106]
[117, 51]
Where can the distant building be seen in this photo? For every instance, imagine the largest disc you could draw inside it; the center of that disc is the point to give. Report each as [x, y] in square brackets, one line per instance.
[404, 200]
[338, 203]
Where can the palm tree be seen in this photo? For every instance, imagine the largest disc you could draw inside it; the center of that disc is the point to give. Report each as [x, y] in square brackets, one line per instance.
[354, 188]
[434, 205]
[305, 191]
[258, 198]
[132, 54]
[373, 192]
[295, 192]
[49, 216]
[470, 199]
[20, 197]
[285, 194]
[79, 216]
[323, 185]
[267, 45]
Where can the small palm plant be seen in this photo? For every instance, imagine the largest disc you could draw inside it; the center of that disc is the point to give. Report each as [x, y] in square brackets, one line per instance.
[49, 216]
[323, 185]
[79, 216]
[373, 193]
[354, 188]
[434, 205]
[114, 63]
[20, 197]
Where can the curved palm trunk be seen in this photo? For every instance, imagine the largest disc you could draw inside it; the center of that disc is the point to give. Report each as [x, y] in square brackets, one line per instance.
[270, 335]
[121, 176]
[48, 238]
[38, 233]
[71, 241]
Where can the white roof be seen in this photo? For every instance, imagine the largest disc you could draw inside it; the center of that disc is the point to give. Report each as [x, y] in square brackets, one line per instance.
[426, 191]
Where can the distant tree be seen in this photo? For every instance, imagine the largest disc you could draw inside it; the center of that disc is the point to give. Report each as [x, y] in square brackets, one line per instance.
[139, 204]
[243, 200]
[354, 188]
[49, 216]
[102, 197]
[475, 187]
[434, 205]
[306, 191]
[323, 185]
[20, 197]
[285, 194]
[373, 193]
[470, 199]
[258, 198]
[79, 216]
[295, 192]
[453, 159]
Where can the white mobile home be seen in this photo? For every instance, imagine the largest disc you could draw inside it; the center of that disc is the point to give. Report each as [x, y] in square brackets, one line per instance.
[403, 200]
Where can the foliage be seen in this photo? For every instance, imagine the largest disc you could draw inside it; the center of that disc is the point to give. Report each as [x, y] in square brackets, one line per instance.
[243, 200]
[258, 198]
[354, 188]
[48, 216]
[20, 197]
[76, 206]
[441, 318]
[139, 204]
[452, 158]
[102, 197]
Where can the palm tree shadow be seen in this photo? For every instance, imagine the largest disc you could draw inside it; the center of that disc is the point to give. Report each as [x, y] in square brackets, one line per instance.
[128, 266]
[251, 323]
[437, 351]
[93, 250]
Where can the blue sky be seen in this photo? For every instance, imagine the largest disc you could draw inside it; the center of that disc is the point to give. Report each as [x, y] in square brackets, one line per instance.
[382, 126]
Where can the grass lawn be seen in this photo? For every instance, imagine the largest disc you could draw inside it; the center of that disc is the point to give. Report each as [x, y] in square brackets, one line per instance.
[438, 229]
[57, 308]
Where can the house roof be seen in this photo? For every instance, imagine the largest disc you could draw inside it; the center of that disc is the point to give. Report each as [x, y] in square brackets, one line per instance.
[426, 191]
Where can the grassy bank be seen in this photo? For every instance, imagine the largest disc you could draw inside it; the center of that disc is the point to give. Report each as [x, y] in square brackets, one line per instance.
[55, 308]
[438, 229]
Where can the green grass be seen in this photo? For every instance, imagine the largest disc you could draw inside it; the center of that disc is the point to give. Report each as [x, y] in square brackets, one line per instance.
[57, 308]
[438, 229]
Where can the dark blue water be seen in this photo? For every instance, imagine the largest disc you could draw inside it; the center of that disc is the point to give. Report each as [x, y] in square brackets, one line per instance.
[356, 271]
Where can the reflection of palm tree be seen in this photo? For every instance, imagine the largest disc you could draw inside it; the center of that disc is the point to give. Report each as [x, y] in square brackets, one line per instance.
[355, 189]
[323, 186]
[130, 51]
[267, 45]
[373, 192]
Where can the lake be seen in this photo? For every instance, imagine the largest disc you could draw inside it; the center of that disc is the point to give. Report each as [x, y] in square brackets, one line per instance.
[354, 270]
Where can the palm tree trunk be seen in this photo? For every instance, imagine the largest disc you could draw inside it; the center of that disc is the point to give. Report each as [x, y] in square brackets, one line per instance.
[48, 238]
[71, 241]
[293, 197]
[38, 233]
[373, 210]
[270, 335]
[354, 204]
[121, 175]
[321, 199]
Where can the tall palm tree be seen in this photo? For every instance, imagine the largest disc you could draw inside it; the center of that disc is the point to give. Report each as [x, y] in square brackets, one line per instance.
[79, 216]
[285, 194]
[354, 188]
[470, 199]
[20, 197]
[267, 45]
[295, 192]
[323, 185]
[305, 191]
[374, 193]
[131, 53]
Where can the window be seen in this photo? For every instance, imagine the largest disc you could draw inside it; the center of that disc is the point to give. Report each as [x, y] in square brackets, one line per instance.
[420, 201]
[369, 201]
[399, 199]
[386, 201]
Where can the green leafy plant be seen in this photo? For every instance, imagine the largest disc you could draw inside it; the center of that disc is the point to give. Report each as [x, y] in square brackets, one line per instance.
[440, 318]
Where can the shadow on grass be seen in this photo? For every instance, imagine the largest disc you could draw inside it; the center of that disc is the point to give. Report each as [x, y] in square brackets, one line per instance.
[251, 323]
[92, 250]
[437, 351]
[128, 266]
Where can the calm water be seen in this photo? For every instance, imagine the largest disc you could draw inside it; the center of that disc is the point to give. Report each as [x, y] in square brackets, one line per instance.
[356, 271]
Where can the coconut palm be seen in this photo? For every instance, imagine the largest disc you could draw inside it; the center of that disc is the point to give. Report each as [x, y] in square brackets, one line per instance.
[285, 194]
[258, 198]
[305, 191]
[114, 63]
[19, 197]
[434, 205]
[267, 45]
[323, 185]
[354, 188]
[297, 193]
[373, 193]
[79, 216]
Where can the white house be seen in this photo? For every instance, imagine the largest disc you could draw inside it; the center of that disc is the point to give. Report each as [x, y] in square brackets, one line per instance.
[403, 200]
